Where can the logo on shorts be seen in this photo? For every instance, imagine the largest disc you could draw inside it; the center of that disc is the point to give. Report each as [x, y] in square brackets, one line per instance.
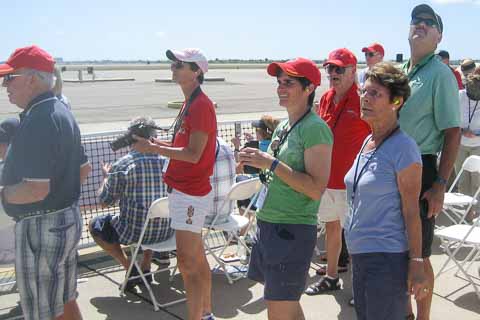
[190, 212]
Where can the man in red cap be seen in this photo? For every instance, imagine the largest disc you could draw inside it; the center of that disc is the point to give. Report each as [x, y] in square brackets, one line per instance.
[374, 54]
[340, 108]
[44, 168]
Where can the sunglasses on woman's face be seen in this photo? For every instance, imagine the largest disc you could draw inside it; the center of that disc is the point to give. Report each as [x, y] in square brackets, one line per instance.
[338, 70]
[177, 65]
[370, 54]
[370, 92]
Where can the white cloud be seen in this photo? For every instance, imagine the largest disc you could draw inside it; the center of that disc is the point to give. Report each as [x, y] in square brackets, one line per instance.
[160, 34]
[456, 1]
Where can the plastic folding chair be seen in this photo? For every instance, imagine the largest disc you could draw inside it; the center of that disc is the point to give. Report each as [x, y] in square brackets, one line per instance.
[457, 205]
[239, 191]
[158, 209]
[456, 237]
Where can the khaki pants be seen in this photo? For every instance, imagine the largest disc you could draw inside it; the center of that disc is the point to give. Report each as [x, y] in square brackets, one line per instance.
[468, 182]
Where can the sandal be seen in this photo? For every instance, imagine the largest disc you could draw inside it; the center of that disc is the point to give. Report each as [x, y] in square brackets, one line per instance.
[324, 285]
[351, 302]
[322, 270]
[411, 316]
[229, 257]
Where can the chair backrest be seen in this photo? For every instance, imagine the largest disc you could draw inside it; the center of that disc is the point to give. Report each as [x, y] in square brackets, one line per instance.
[158, 209]
[472, 164]
[244, 189]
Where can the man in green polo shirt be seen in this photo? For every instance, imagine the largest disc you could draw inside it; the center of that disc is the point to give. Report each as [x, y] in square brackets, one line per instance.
[432, 117]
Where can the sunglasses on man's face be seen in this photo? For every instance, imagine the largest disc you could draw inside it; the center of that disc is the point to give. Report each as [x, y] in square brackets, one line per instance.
[370, 54]
[432, 23]
[10, 77]
[338, 70]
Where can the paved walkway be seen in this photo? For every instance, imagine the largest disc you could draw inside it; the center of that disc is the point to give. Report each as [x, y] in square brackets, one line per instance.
[99, 278]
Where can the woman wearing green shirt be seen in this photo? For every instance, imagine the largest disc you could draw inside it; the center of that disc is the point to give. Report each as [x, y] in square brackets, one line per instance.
[297, 167]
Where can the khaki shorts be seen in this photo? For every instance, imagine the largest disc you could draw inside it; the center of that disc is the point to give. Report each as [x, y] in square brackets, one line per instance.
[188, 212]
[333, 206]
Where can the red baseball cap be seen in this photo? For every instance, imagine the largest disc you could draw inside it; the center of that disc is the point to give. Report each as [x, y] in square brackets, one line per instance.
[374, 47]
[342, 58]
[31, 57]
[299, 68]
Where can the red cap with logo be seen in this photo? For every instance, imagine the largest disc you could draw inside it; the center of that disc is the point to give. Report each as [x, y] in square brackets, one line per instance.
[374, 47]
[31, 57]
[342, 58]
[299, 68]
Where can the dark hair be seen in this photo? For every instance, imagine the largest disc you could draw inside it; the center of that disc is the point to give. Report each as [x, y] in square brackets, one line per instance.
[270, 123]
[304, 82]
[390, 77]
[195, 67]
[147, 121]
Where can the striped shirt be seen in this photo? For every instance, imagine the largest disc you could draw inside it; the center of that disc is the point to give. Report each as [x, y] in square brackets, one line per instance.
[135, 180]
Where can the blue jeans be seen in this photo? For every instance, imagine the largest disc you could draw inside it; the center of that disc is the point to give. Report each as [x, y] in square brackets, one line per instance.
[380, 285]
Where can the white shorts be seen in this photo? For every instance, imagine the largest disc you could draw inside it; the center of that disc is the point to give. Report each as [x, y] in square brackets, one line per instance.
[333, 206]
[188, 212]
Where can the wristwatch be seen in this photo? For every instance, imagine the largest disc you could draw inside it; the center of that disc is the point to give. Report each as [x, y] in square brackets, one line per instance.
[441, 181]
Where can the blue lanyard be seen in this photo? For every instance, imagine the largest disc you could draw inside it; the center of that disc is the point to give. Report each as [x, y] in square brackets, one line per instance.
[356, 179]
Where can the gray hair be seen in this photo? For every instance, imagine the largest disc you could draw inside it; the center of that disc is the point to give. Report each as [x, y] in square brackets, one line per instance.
[47, 78]
[147, 121]
[57, 88]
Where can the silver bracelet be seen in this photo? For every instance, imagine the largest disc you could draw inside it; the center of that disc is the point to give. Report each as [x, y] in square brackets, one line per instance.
[417, 259]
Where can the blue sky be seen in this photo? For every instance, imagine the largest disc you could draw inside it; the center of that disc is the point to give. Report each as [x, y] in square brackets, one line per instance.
[275, 29]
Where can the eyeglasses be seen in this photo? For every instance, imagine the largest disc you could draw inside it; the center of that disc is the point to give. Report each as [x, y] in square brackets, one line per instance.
[370, 54]
[432, 23]
[9, 77]
[370, 92]
[338, 70]
[177, 65]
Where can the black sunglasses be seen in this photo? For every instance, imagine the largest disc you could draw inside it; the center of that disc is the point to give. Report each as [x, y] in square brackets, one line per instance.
[338, 70]
[177, 64]
[370, 54]
[9, 77]
[429, 22]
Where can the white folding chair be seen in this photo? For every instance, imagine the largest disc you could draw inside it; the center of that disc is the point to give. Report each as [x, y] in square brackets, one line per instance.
[158, 209]
[239, 191]
[457, 205]
[456, 237]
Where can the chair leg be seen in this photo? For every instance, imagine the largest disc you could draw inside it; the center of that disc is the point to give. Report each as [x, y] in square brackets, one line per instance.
[219, 262]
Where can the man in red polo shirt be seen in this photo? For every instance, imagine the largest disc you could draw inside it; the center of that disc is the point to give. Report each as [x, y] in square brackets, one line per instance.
[340, 108]
[192, 157]
[445, 57]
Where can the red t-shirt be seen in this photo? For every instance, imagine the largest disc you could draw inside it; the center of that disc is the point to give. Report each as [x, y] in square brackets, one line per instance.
[458, 76]
[194, 179]
[349, 132]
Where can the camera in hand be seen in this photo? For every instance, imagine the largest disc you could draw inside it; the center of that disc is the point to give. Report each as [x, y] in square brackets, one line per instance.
[140, 129]
[249, 169]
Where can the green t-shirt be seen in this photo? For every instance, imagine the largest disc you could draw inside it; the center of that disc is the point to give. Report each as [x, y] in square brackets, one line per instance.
[433, 105]
[283, 204]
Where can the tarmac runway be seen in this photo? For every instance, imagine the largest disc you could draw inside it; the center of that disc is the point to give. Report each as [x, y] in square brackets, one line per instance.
[244, 91]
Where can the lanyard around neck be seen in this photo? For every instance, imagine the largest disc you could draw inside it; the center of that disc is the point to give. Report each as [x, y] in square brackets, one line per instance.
[283, 135]
[410, 76]
[178, 121]
[356, 179]
[470, 112]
